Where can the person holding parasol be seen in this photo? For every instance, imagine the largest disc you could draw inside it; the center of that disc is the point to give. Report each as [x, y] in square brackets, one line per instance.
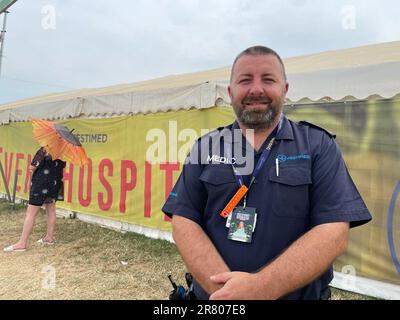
[58, 145]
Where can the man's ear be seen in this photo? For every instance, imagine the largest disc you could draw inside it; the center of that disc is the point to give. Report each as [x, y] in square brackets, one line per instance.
[229, 92]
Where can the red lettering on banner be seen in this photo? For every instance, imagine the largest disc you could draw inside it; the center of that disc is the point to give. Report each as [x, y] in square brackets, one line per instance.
[169, 176]
[8, 166]
[105, 205]
[85, 201]
[19, 156]
[125, 184]
[105, 196]
[147, 189]
[68, 176]
[28, 175]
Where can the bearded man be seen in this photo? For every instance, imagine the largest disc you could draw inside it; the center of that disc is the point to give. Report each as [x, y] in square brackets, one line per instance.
[297, 203]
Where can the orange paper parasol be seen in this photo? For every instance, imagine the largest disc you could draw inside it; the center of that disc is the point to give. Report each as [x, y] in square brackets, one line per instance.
[59, 141]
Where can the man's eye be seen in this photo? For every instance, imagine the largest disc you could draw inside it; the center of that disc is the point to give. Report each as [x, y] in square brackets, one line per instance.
[244, 80]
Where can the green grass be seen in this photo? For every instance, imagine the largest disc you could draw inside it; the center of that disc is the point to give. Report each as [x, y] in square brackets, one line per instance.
[5, 206]
[338, 294]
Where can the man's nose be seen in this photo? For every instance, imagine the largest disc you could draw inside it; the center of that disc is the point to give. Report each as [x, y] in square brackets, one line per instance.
[256, 88]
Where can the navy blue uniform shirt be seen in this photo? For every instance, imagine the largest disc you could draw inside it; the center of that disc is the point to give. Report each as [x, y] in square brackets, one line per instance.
[312, 187]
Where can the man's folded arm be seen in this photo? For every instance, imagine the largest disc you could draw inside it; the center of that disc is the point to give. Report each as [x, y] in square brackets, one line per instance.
[300, 264]
[199, 254]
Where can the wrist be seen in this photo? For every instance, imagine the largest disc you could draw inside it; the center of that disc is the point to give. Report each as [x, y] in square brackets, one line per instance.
[266, 285]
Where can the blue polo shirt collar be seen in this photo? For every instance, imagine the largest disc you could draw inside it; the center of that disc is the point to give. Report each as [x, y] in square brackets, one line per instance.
[286, 132]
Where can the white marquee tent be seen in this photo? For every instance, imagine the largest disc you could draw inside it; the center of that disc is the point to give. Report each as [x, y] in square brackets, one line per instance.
[356, 73]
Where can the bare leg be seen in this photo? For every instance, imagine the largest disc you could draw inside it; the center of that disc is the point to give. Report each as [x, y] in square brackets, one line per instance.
[51, 221]
[30, 217]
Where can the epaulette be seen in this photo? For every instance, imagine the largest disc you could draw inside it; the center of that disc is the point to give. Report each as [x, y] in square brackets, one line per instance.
[331, 134]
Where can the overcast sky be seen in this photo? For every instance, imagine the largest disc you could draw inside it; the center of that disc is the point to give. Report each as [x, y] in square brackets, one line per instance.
[61, 45]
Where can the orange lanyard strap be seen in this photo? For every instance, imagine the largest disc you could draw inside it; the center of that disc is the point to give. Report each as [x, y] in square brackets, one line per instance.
[234, 201]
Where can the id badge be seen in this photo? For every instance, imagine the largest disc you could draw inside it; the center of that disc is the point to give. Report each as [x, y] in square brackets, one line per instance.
[242, 224]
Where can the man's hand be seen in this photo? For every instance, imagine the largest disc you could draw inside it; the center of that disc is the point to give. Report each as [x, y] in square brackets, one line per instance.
[237, 286]
[307, 258]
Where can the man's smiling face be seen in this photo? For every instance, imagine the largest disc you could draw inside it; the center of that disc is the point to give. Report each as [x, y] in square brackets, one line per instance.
[257, 90]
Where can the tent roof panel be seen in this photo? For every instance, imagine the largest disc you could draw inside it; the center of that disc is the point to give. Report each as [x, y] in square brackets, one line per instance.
[359, 72]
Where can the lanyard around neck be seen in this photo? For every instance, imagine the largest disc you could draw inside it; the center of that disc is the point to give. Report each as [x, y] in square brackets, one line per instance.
[243, 190]
[260, 163]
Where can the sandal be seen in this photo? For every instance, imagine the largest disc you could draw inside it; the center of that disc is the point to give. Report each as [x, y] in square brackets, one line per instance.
[45, 242]
[11, 249]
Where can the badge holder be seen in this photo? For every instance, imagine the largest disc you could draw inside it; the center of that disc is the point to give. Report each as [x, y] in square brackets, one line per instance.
[242, 224]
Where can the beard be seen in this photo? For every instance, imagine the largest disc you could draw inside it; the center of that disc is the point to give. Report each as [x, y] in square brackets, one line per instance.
[263, 118]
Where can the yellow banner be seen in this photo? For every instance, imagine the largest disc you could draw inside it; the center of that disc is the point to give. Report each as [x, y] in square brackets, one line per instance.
[134, 162]
[368, 133]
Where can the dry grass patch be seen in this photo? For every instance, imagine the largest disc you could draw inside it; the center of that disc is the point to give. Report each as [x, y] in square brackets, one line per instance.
[87, 262]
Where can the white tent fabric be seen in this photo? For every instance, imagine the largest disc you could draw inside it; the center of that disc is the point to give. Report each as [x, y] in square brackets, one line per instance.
[48, 110]
[359, 82]
[356, 73]
[200, 96]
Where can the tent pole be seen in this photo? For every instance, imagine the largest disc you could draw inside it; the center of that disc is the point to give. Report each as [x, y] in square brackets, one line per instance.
[5, 182]
[15, 189]
[2, 37]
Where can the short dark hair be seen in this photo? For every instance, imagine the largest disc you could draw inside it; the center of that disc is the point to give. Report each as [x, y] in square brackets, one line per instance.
[259, 51]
